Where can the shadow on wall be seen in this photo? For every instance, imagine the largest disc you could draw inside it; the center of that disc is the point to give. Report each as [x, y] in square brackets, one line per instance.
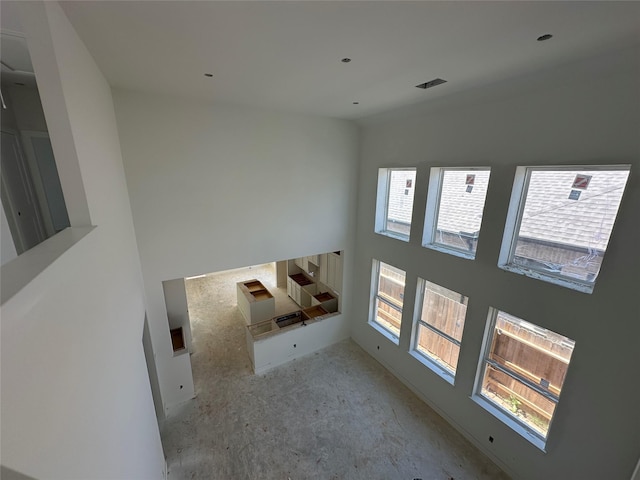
[8, 474]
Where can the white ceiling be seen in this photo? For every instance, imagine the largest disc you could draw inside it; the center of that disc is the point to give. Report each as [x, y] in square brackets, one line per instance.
[286, 55]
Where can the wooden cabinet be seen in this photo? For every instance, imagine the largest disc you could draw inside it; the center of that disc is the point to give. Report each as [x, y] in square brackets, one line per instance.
[326, 300]
[323, 264]
[330, 272]
[313, 312]
[303, 263]
[309, 263]
[306, 294]
[334, 271]
[314, 274]
[300, 289]
[291, 288]
[255, 302]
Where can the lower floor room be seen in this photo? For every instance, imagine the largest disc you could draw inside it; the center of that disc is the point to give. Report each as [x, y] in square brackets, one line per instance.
[334, 414]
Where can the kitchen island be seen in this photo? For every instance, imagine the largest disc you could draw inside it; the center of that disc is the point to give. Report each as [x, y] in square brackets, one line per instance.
[255, 302]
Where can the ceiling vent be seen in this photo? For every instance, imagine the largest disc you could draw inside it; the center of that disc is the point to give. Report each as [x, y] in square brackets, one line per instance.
[433, 83]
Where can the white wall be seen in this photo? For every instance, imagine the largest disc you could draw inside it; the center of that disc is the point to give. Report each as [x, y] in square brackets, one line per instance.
[276, 350]
[216, 187]
[588, 112]
[76, 400]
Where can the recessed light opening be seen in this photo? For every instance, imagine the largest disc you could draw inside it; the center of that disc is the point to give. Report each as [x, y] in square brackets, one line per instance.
[544, 37]
[208, 75]
[345, 60]
[433, 83]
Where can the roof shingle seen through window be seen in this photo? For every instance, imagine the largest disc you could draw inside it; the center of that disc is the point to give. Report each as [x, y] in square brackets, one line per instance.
[550, 216]
[400, 199]
[460, 207]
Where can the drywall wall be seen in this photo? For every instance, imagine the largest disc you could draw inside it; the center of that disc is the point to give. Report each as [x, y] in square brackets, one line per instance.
[76, 400]
[217, 187]
[280, 348]
[587, 112]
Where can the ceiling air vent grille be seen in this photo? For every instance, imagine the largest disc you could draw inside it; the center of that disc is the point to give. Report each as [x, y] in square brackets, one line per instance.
[433, 83]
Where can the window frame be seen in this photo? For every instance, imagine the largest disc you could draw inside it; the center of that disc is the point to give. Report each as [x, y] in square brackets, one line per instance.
[375, 296]
[514, 221]
[382, 203]
[436, 180]
[423, 358]
[515, 423]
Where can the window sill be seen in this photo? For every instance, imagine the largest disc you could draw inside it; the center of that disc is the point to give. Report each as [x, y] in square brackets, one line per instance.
[450, 251]
[505, 418]
[395, 236]
[434, 367]
[22, 270]
[386, 333]
[573, 285]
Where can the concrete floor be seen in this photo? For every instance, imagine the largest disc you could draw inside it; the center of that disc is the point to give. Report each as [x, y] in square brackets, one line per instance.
[335, 414]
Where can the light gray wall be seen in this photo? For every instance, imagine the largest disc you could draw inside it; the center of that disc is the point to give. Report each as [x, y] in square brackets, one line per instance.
[216, 187]
[76, 400]
[587, 112]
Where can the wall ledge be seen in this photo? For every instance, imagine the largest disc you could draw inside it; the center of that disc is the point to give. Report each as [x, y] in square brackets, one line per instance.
[22, 270]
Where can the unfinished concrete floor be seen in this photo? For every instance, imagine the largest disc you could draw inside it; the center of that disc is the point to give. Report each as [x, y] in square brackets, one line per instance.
[335, 414]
